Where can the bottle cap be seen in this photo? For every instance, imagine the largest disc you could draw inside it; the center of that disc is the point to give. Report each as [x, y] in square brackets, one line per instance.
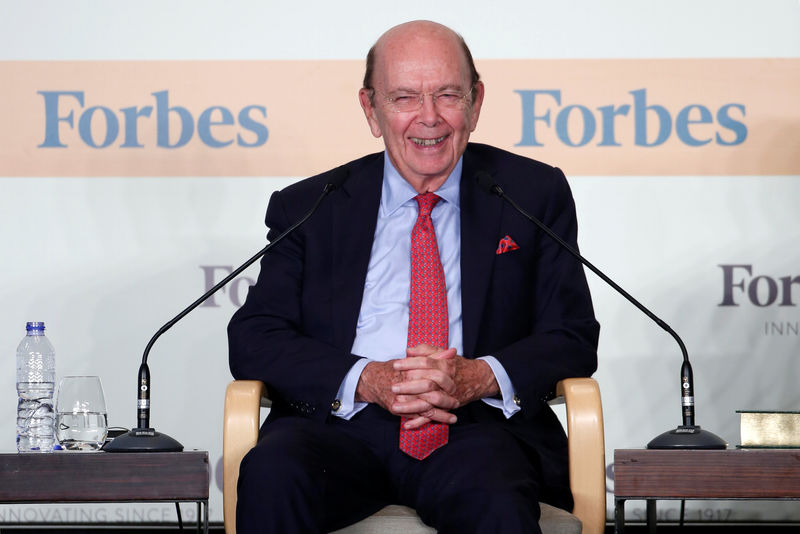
[34, 325]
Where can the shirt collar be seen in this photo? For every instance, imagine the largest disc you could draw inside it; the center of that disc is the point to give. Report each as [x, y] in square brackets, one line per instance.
[396, 191]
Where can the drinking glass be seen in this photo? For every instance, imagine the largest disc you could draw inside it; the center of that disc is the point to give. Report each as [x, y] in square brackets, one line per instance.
[81, 423]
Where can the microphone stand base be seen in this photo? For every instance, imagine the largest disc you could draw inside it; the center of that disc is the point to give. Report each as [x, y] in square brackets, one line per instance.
[687, 437]
[143, 440]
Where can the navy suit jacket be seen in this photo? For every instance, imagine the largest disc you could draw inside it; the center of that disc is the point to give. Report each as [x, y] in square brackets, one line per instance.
[530, 308]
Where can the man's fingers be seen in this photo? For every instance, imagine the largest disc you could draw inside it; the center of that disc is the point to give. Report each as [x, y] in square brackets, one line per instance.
[437, 375]
[440, 399]
[429, 351]
[413, 362]
[409, 405]
[416, 382]
[416, 422]
[422, 349]
[438, 360]
[445, 354]
[417, 404]
[433, 415]
[414, 387]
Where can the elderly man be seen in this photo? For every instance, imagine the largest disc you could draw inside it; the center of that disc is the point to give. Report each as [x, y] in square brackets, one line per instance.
[411, 332]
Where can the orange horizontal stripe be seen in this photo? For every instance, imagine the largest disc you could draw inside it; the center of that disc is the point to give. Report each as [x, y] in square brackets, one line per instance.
[296, 118]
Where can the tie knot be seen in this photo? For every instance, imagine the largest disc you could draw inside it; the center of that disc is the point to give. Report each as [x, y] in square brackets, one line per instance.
[426, 202]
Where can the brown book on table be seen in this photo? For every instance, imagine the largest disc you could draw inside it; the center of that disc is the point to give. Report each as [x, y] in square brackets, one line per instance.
[769, 429]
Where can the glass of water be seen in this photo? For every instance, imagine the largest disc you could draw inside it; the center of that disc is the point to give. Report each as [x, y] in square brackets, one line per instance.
[81, 423]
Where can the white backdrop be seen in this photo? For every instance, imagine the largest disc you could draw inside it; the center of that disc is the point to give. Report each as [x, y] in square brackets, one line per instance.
[106, 261]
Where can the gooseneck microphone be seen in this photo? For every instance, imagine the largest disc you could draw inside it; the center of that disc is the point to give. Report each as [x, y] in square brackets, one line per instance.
[143, 438]
[686, 436]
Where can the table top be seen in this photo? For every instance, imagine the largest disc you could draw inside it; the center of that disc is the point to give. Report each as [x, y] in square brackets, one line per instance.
[104, 477]
[707, 474]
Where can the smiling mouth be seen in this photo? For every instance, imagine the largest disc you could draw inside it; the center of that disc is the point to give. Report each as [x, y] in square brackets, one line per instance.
[427, 142]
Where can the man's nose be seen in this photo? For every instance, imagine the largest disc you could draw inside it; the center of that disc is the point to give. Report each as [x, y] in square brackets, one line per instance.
[428, 113]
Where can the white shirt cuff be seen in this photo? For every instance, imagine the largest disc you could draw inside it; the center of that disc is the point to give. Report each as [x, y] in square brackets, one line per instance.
[344, 405]
[510, 402]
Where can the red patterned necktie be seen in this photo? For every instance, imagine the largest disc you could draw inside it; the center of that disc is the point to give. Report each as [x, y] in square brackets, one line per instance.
[427, 317]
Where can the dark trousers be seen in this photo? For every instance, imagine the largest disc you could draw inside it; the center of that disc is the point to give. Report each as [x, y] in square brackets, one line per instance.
[304, 476]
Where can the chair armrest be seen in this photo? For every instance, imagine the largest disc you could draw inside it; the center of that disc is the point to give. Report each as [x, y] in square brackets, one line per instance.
[586, 451]
[239, 435]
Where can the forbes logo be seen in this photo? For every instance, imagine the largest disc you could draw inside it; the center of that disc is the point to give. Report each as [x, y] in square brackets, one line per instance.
[100, 126]
[761, 290]
[577, 125]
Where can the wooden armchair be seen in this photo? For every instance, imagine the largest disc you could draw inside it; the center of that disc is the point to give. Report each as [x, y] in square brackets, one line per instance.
[244, 399]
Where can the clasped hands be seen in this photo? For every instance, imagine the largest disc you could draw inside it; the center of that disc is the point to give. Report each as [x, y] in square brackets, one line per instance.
[426, 385]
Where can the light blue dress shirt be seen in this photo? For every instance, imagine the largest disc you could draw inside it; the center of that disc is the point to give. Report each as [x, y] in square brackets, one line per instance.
[382, 329]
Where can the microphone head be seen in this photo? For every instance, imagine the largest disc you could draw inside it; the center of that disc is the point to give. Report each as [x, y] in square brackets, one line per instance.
[338, 177]
[487, 183]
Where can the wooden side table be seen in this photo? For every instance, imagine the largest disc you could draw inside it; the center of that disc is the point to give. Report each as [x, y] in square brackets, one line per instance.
[74, 477]
[650, 474]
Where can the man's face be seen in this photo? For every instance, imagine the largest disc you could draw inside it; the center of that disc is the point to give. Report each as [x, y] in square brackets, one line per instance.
[425, 144]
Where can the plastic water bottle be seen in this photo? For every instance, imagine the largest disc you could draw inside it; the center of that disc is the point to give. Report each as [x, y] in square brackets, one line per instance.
[36, 375]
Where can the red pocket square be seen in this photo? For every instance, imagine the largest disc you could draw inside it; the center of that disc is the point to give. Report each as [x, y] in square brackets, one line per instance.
[506, 245]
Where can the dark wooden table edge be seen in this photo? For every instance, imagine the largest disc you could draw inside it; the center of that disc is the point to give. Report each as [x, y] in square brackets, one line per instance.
[651, 497]
[200, 498]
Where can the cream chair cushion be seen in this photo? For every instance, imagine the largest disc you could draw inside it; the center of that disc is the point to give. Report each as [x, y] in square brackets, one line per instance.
[396, 519]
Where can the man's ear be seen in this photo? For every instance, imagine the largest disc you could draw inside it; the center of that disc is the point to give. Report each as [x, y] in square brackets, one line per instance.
[477, 102]
[369, 111]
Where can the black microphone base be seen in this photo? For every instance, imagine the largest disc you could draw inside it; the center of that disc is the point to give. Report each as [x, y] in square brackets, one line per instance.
[687, 437]
[143, 440]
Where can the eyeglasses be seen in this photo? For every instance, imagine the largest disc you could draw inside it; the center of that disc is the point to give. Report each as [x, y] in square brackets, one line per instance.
[408, 102]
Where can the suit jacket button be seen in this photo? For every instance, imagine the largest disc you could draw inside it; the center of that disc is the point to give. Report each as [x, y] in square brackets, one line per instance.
[517, 400]
[335, 405]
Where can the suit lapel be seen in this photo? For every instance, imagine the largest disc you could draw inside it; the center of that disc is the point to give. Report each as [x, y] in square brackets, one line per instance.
[354, 217]
[480, 227]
